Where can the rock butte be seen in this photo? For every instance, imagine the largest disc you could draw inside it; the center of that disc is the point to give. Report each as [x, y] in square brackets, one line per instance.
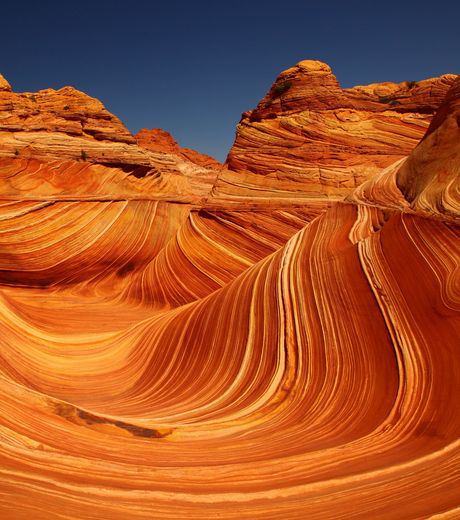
[276, 338]
[158, 140]
[308, 137]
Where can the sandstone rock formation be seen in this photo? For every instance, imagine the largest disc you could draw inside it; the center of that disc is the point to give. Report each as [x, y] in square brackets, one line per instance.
[158, 140]
[308, 137]
[226, 359]
[68, 125]
[4, 85]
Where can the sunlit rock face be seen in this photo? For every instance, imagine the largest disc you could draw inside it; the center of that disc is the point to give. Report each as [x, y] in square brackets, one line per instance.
[309, 137]
[171, 352]
[94, 154]
[4, 85]
[158, 140]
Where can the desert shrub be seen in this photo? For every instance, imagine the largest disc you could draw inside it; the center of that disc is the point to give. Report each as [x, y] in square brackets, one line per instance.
[83, 155]
[280, 88]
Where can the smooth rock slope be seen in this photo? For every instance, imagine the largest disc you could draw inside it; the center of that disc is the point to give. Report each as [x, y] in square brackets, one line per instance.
[217, 354]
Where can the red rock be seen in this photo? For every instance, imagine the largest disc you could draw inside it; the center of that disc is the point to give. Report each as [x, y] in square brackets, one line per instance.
[308, 137]
[428, 181]
[68, 125]
[232, 358]
[158, 140]
[4, 85]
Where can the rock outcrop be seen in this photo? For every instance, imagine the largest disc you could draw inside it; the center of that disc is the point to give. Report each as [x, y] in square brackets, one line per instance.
[308, 137]
[96, 156]
[428, 181]
[169, 360]
[4, 85]
[159, 140]
[57, 115]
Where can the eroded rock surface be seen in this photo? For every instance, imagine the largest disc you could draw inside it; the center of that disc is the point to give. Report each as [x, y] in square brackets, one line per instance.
[65, 144]
[309, 137]
[227, 358]
[159, 140]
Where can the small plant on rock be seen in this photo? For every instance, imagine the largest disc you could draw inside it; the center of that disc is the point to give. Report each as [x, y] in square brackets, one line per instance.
[280, 88]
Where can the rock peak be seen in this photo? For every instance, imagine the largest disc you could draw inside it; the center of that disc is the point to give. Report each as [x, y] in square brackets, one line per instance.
[308, 134]
[4, 85]
[307, 67]
[314, 66]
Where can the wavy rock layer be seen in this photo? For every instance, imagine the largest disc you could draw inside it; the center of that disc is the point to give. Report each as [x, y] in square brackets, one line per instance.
[164, 359]
[32, 179]
[283, 391]
[308, 137]
[68, 125]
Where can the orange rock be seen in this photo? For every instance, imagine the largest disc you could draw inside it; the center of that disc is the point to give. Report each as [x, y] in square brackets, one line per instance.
[4, 85]
[430, 178]
[308, 137]
[168, 354]
[158, 140]
[69, 126]
[428, 181]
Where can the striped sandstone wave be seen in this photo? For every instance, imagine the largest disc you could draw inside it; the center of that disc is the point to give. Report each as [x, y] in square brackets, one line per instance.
[183, 358]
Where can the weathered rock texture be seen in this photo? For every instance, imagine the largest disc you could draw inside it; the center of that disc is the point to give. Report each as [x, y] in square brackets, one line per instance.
[158, 140]
[68, 125]
[308, 137]
[173, 361]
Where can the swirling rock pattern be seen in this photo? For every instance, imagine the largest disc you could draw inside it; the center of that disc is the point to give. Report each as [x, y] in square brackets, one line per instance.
[68, 125]
[32, 179]
[308, 137]
[195, 356]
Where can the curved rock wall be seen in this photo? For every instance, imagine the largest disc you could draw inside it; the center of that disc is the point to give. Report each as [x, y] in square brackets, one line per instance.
[186, 356]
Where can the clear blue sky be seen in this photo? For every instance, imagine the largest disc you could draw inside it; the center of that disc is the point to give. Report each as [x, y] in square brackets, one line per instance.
[192, 67]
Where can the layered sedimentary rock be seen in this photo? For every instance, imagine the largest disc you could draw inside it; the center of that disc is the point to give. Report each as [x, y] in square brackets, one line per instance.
[159, 140]
[428, 181]
[309, 137]
[68, 125]
[54, 122]
[170, 179]
[162, 359]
